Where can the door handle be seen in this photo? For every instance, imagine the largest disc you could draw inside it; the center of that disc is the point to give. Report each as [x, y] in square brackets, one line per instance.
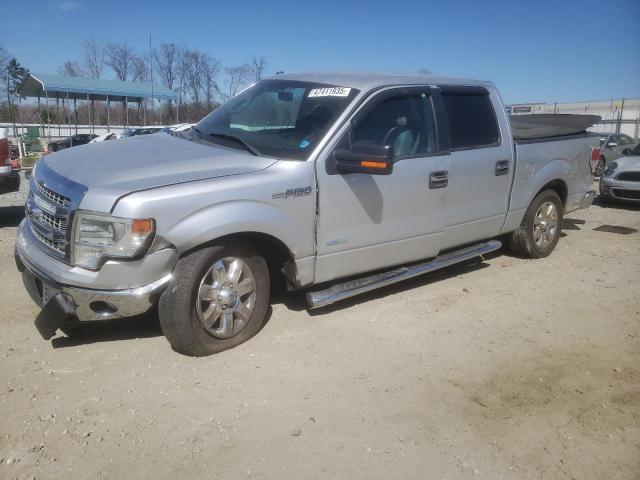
[439, 179]
[502, 167]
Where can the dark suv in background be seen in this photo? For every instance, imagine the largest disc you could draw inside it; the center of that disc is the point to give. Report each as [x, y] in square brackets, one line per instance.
[72, 141]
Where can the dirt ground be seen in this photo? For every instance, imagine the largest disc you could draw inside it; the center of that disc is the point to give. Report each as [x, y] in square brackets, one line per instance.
[506, 369]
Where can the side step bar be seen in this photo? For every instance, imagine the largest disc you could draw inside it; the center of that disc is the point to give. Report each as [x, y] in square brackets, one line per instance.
[355, 287]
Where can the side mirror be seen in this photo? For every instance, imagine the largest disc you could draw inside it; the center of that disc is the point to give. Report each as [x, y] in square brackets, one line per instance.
[365, 157]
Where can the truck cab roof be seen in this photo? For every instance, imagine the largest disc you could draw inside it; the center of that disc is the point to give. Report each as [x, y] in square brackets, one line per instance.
[365, 81]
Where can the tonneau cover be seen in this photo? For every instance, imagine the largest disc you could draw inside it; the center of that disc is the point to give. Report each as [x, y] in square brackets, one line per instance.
[531, 127]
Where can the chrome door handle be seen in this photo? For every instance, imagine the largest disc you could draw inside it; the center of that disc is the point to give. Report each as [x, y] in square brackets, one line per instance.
[502, 167]
[439, 179]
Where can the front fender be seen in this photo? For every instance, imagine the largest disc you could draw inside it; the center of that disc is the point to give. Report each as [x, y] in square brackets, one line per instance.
[239, 216]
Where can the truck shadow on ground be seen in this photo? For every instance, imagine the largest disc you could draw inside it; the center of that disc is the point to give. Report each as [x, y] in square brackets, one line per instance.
[616, 205]
[296, 301]
[11, 216]
[141, 326]
[131, 328]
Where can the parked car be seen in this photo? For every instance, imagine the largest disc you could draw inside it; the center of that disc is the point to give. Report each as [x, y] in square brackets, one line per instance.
[621, 178]
[104, 138]
[182, 127]
[72, 141]
[611, 147]
[134, 132]
[307, 179]
[9, 168]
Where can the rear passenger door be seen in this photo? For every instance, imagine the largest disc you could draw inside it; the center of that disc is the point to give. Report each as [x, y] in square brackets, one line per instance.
[481, 164]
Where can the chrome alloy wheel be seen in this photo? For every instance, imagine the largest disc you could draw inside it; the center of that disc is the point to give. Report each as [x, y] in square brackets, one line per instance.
[545, 225]
[226, 297]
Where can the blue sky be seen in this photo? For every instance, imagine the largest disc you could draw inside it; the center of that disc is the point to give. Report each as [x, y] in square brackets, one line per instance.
[562, 50]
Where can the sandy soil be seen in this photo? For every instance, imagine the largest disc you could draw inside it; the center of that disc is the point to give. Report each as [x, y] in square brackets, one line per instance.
[506, 369]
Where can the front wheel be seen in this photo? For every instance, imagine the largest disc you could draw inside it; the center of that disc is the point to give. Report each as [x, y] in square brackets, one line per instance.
[218, 299]
[541, 226]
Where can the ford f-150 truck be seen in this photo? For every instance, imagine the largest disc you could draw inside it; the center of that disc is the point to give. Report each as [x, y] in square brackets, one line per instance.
[336, 183]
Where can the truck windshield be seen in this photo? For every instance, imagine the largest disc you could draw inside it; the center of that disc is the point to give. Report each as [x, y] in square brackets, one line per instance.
[278, 118]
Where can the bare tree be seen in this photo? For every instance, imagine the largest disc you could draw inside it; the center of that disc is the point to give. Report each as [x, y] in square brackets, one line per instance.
[4, 64]
[210, 69]
[70, 69]
[140, 71]
[167, 64]
[93, 58]
[194, 77]
[181, 71]
[120, 58]
[258, 66]
[236, 78]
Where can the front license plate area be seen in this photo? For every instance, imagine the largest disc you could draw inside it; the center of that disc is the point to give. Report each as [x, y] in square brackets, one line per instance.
[55, 312]
[48, 293]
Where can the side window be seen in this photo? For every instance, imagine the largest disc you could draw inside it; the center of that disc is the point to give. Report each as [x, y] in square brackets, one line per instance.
[405, 122]
[472, 120]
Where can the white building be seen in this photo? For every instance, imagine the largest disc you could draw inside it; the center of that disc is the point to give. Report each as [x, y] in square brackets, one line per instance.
[622, 114]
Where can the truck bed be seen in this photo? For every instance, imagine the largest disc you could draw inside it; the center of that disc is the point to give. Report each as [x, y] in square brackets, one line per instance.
[545, 127]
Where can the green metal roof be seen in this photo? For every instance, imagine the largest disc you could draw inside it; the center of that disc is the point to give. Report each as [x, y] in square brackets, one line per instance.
[36, 84]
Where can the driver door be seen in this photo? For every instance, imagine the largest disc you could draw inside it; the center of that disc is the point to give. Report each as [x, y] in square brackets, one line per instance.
[368, 222]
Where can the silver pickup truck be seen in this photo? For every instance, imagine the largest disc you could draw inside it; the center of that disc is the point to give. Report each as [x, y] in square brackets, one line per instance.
[333, 183]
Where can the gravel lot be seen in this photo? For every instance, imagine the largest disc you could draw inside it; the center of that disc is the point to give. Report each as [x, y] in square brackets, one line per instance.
[506, 369]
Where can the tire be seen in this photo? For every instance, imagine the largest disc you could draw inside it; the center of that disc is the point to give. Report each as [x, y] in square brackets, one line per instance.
[201, 288]
[599, 168]
[626, 152]
[525, 241]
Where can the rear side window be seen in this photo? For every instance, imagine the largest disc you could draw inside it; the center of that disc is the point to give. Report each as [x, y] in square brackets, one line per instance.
[472, 120]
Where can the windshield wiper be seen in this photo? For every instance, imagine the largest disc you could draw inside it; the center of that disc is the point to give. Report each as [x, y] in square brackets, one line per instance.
[227, 136]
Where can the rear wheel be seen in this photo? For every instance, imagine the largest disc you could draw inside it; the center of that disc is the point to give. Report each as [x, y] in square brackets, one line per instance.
[541, 226]
[218, 299]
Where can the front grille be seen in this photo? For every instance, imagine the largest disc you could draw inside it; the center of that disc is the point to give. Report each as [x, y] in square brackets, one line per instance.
[51, 195]
[59, 247]
[49, 215]
[625, 193]
[628, 176]
[57, 223]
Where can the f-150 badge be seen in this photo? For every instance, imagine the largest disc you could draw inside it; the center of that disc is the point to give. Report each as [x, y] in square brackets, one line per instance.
[293, 192]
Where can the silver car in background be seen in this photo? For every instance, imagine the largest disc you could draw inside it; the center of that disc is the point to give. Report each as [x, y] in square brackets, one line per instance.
[613, 146]
[620, 180]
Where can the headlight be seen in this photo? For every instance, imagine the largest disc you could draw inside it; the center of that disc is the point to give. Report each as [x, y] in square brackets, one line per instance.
[610, 169]
[98, 237]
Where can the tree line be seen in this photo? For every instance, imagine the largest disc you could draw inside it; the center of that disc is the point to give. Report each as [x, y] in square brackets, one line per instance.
[200, 80]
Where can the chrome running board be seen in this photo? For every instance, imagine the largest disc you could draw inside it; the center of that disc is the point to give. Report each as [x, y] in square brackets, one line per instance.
[366, 284]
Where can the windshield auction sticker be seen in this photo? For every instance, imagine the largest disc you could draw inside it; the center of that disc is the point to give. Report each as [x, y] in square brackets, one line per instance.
[329, 92]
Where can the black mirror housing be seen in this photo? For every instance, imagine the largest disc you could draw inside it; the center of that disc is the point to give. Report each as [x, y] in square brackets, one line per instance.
[365, 157]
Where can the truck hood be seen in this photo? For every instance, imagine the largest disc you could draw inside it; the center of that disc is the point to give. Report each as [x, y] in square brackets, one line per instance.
[110, 170]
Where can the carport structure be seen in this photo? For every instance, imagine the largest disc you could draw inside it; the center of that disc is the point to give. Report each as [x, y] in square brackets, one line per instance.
[50, 87]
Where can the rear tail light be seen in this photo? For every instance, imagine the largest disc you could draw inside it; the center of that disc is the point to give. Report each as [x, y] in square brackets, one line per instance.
[5, 152]
[595, 153]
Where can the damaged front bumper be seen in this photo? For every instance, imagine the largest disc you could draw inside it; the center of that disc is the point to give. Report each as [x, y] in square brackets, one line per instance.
[66, 303]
